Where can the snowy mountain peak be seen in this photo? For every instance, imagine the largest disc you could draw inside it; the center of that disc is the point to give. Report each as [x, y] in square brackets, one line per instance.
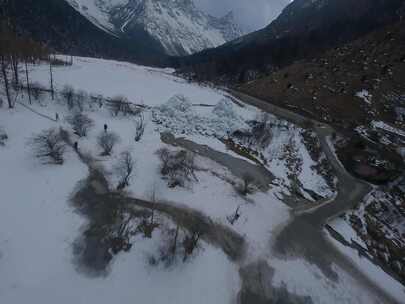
[177, 25]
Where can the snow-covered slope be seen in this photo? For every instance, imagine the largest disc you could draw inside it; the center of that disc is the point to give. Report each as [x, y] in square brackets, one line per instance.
[176, 24]
[41, 224]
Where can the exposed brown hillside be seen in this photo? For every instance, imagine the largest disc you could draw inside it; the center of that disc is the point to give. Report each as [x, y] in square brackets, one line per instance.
[326, 87]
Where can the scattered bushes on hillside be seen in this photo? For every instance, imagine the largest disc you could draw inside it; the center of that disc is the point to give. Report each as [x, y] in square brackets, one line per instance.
[106, 141]
[177, 166]
[80, 123]
[49, 146]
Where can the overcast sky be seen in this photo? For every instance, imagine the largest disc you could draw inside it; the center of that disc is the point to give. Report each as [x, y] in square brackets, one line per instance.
[251, 14]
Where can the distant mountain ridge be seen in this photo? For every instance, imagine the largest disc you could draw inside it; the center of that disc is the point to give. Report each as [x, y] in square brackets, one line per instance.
[304, 27]
[177, 25]
[58, 25]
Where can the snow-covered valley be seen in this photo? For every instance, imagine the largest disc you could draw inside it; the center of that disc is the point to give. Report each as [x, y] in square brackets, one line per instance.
[43, 230]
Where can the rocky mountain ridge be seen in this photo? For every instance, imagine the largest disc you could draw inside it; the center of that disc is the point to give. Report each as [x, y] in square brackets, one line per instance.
[178, 26]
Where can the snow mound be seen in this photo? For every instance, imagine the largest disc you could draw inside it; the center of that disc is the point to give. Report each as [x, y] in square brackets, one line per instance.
[224, 108]
[178, 103]
[178, 116]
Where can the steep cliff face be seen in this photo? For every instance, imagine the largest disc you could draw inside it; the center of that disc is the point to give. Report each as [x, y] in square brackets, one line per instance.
[177, 25]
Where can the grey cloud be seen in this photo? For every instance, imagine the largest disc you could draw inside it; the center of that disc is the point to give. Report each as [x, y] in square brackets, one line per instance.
[251, 14]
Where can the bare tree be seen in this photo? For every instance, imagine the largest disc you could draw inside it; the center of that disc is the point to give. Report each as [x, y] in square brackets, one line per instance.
[169, 251]
[124, 169]
[49, 146]
[107, 141]
[38, 91]
[51, 78]
[4, 70]
[5, 52]
[164, 156]
[140, 125]
[80, 123]
[81, 98]
[149, 225]
[15, 59]
[119, 104]
[27, 79]
[68, 94]
[262, 131]
[190, 243]
[177, 166]
[247, 181]
[232, 219]
[98, 100]
[3, 137]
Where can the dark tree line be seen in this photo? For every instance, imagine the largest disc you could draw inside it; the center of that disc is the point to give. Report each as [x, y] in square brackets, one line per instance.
[16, 53]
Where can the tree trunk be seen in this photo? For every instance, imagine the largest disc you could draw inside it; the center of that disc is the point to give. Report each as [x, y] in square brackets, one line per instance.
[14, 63]
[174, 248]
[5, 79]
[28, 81]
[51, 74]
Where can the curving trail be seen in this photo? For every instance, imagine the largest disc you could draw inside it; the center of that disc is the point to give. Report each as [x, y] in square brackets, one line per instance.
[304, 236]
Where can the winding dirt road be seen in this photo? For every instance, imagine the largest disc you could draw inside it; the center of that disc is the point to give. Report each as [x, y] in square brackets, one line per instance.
[304, 236]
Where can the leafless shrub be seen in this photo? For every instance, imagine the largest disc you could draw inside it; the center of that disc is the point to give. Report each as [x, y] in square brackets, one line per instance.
[234, 217]
[168, 251]
[246, 186]
[119, 104]
[177, 245]
[124, 169]
[148, 225]
[38, 91]
[59, 62]
[262, 131]
[81, 97]
[3, 137]
[177, 166]
[106, 141]
[49, 146]
[68, 94]
[97, 99]
[190, 243]
[140, 125]
[80, 123]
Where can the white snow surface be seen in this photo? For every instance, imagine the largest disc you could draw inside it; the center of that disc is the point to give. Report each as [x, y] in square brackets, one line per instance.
[141, 84]
[38, 225]
[375, 273]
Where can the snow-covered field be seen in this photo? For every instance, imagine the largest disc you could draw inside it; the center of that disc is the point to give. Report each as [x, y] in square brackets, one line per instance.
[38, 224]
